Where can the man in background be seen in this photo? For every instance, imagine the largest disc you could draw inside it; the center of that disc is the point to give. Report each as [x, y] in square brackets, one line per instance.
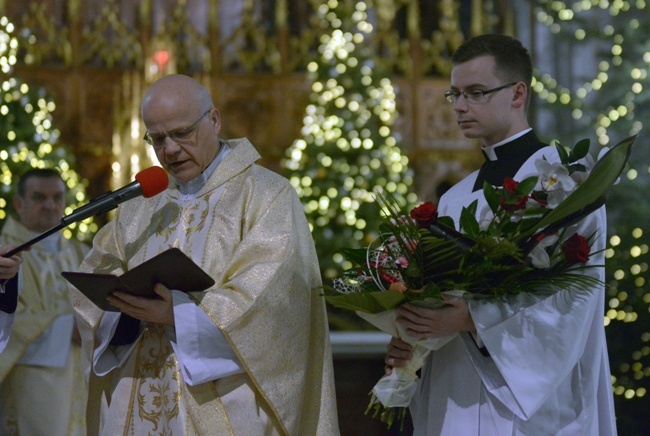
[42, 391]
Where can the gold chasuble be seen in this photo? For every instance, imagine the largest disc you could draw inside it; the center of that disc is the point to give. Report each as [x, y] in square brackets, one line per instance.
[50, 398]
[246, 229]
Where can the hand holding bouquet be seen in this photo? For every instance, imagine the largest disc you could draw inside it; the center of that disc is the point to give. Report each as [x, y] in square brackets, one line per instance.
[523, 241]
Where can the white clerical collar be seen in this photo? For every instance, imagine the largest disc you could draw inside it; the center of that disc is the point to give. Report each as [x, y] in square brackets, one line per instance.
[194, 185]
[490, 152]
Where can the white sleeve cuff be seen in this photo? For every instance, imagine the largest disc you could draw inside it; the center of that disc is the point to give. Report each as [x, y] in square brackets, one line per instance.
[106, 358]
[202, 351]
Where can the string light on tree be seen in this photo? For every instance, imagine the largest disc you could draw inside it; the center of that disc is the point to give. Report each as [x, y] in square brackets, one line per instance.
[28, 138]
[613, 102]
[346, 150]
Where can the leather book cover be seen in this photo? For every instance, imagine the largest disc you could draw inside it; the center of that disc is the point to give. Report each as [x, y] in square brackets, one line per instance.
[172, 268]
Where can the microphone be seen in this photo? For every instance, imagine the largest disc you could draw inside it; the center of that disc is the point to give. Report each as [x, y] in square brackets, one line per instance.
[148, 182]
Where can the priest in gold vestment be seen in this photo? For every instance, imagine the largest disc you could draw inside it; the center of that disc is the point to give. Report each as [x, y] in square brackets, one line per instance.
[42, 390]
[250, 355]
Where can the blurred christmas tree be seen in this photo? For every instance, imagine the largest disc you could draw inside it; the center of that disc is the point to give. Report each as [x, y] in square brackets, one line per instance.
[347, 151]
[28, 138]
[612, 102]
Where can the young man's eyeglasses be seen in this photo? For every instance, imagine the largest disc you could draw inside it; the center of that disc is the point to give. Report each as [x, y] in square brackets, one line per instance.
[474, 95]
[180, 136]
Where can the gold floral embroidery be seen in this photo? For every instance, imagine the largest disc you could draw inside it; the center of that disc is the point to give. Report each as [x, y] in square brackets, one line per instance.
[158, 390]
[202, 208]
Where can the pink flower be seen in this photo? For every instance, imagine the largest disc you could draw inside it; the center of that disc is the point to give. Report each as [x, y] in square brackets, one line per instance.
[402, 261]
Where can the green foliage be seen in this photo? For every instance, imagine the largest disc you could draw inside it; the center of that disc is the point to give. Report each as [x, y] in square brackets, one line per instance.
[417, 258]
[347, 150]
[370, 302]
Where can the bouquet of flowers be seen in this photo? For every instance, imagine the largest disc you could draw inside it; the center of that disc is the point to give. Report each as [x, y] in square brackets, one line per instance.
[523, 241]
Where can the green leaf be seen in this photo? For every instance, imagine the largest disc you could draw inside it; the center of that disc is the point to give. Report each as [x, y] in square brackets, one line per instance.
[471, 208]
[441, 257]
[592, 190]
[386, 228]
[564, 157]
[491, 196]
[509, 227]
[579, 151]
[468, 221]
[369, 302]
[447, 222]
[534, 212]
[577, 168]
[355, 255]
[526, 186]
[412, 271]
[531, 217]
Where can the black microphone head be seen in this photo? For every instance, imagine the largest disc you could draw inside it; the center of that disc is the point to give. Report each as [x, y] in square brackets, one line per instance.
[152, 180]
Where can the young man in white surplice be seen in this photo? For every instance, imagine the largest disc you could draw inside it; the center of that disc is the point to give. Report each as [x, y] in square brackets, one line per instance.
[526, 364]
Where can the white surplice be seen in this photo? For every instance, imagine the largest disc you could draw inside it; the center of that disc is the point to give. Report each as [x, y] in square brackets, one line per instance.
[547, 372]
[41, 375]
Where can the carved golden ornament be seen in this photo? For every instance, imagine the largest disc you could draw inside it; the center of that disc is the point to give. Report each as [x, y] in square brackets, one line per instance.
[190, 47]
[262, 41]
[110, 41]
[44, 40]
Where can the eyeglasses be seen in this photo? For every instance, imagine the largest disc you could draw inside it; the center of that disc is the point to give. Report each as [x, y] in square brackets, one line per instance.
[180, 136]
[475, 95]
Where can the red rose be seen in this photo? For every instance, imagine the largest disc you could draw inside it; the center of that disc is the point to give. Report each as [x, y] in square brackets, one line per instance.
[507, 199]
[576, 249]
[510, 185]
[425, 214]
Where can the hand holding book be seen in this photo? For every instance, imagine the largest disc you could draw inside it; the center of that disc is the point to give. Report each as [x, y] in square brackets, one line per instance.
[172, 268]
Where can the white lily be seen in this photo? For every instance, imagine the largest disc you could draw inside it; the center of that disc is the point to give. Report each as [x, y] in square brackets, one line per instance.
[538, 255]
[555, 180]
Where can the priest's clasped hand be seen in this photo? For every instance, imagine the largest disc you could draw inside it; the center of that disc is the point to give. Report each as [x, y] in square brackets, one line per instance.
[158, 310]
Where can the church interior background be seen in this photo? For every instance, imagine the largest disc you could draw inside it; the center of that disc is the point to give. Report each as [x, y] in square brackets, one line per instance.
[95, 58]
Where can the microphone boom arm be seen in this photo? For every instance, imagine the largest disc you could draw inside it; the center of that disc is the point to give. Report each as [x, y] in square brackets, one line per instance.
[102, 204]
[31, 242]
[148, 182]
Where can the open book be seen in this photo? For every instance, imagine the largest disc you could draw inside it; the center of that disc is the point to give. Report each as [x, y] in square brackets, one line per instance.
[172, 268]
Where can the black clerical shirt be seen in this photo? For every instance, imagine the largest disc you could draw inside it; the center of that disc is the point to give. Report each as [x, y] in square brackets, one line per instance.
[510, 157]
